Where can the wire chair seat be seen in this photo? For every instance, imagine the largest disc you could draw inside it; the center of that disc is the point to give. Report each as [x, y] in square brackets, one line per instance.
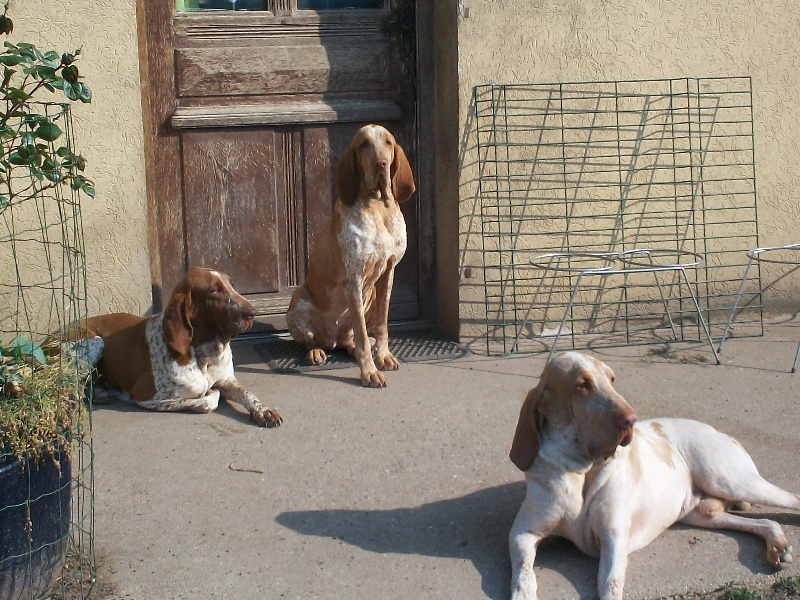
[635, 261]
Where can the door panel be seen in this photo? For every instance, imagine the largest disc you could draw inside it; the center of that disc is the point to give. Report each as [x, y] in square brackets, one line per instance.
[283, 70]
[233, 175]
[247, 113]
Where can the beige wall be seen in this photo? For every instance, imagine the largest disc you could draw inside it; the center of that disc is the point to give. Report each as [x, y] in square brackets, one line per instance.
[498, 41]
[595, 40]
[108, 135]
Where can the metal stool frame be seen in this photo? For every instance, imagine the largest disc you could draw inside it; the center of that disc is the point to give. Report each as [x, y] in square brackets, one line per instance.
[756, 255]
[634, 261]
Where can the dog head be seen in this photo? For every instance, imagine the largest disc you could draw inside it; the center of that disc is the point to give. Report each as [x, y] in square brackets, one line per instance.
[374, 161]
[204, 307]
[574, 390]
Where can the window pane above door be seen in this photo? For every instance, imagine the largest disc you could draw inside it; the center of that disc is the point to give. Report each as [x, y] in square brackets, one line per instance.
[188, 5]
[334, 4]
[195, 5]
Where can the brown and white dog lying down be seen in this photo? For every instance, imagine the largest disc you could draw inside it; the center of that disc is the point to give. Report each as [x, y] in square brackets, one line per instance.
[179, 359]
[351, 268]
[611, 485]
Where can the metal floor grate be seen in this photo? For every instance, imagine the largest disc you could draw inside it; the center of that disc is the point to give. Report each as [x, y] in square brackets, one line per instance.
[607, 167]
[287, 356]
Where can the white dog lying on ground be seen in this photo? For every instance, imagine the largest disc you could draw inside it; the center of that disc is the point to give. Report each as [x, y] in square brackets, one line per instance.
[611, 485]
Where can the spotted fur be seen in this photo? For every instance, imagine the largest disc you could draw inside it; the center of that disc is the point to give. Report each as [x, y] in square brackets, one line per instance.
[345, 298]
[180, 359]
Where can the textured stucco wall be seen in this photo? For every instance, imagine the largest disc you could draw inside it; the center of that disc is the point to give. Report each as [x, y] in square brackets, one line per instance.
[108, 134]
[505, 41]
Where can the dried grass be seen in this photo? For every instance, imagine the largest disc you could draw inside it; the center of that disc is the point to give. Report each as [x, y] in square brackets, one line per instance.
[44, 410]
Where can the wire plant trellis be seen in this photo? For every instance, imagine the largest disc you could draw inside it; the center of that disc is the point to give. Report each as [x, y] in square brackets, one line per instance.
[607, 167]
[42, 300]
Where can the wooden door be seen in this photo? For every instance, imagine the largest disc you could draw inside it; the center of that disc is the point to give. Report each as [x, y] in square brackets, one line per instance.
[246, 113]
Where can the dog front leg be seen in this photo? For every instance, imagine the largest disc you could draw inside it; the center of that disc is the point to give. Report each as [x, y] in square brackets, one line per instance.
[523, 546]
[232, 391]
[384, 359]
[362, 350]
[537, 518]
[165, 403]
[613, 556]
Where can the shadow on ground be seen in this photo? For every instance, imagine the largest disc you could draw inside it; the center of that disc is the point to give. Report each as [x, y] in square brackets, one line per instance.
[473, 527]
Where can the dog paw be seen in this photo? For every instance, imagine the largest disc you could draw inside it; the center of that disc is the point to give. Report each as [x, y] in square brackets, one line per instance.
[266, 418]
[387, 362]
[780, 557]
[374, 379]
[316, 356]
[102, 395]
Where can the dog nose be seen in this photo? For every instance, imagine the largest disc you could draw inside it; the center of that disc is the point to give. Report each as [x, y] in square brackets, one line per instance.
[382, 164]
[625, 420]
[246, 309]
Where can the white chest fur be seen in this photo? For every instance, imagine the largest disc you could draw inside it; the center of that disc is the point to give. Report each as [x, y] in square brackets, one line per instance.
[371, 239]
[210, 363]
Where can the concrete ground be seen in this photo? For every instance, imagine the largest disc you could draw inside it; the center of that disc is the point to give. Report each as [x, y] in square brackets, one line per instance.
[407, 492]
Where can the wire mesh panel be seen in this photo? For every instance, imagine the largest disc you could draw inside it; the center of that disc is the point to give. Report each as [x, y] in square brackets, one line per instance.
[610, 167]
[46, 473]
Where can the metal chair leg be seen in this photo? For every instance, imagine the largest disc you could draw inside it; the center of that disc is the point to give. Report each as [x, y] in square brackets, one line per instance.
[736, 304]
[700, 316]
[663, 300]
[564, 318]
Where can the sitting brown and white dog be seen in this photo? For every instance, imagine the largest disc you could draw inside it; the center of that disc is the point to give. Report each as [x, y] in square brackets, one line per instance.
[611, 485]
[179, 359]
[351, 268]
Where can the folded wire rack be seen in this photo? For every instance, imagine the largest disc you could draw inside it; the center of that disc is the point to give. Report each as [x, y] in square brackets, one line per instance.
[610, 167]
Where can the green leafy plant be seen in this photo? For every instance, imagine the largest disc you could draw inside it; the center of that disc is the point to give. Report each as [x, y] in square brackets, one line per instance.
[17, 362]
[41, 388]
[35, 154]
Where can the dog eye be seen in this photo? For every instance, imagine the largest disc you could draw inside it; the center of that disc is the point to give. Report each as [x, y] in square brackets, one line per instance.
[215, 291]
[584, 385]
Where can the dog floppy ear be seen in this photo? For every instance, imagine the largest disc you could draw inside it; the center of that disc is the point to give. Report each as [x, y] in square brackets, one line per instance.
[526, 437]
[402, 178]
[178, 325]
[348, 176]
